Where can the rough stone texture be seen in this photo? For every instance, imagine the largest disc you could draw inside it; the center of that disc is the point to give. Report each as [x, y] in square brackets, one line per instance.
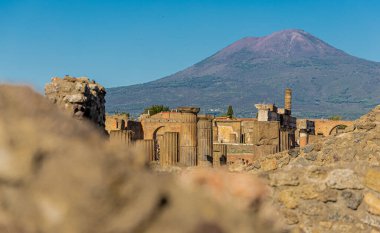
[52, 179]
[373, 203]
[80, 97]
[332, 185]
[372, 179]
[343, 179]
[352, 199]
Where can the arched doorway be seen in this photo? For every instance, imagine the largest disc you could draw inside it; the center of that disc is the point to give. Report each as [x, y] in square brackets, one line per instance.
[338, 129]
[157, 141]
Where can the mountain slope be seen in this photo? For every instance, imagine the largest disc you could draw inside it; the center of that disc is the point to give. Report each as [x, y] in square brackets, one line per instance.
[325, 81]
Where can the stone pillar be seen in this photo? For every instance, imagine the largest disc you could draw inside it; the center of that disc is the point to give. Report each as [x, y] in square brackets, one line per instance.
[188, 140]
[215, 133]
[304, 137]
[219, 155]
[288, 100]
[146, 148]
[121, 136]
[169, 150]
[205, 141]
[284, 140]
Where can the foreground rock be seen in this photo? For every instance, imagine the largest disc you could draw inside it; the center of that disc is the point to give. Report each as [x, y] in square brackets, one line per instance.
[58, 175]
[332, 185]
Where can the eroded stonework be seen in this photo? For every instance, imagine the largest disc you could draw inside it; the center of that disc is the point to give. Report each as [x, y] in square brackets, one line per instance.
[81, 97]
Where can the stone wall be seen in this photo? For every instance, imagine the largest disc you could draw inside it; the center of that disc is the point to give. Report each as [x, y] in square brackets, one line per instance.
[324, 127]
[116, 122]
[227, 130]
[332, 185]
[80, 97]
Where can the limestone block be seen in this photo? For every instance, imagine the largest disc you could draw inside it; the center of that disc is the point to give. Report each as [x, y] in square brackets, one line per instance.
[371, 220]
[76, 98]
[269, 165]
[372, 179]
[343, 179]
[352, 199]
[288, 199]
[283, 179]
[373, 203]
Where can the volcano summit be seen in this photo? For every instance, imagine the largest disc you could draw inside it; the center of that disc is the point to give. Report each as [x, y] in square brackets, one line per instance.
[256, 69]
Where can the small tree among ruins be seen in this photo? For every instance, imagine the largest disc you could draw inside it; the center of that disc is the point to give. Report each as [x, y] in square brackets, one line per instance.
[154, 109]
[230, 112]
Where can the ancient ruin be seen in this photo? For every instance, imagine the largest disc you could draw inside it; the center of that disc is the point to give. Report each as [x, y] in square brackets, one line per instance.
[321, 175]
[80, 97]
[181, 137]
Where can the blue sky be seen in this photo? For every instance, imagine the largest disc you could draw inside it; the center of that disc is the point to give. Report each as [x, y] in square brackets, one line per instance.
[121, 43]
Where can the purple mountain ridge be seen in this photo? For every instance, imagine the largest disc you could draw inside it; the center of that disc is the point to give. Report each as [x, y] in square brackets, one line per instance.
[288, 43]
[258, 69]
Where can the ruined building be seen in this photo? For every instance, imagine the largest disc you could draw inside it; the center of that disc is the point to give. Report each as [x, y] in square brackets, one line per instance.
[248, 138]
[80, 97]
[182, 137]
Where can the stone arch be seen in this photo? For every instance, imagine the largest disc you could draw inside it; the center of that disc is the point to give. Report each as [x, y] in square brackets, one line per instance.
[337, 129]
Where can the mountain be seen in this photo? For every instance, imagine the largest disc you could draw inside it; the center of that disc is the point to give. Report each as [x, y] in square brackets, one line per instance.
[326, 81]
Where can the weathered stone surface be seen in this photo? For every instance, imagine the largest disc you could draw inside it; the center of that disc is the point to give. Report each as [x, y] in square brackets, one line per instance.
[268, 165]
[308, 192]
[371, 220]
[313, 209]
[76, 98]
[372, 179]
[317, 172]
[352, 199]
[80, 97]
[328, 195]
[331, 185]
[291, 217]
[373, 203]
[343, 179]
[308, 148]
[283, 179]
[294, 153]
[288, 199]
[311, 156]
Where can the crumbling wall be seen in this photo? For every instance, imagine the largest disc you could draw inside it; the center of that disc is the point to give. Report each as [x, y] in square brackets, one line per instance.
[332, 185]
[228, 131]
[81, 97]
[116, 122]
[324, 127]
